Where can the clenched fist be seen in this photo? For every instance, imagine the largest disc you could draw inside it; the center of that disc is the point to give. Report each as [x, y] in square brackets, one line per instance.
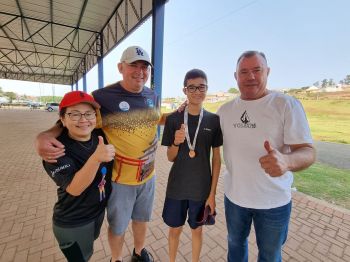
[180, 135]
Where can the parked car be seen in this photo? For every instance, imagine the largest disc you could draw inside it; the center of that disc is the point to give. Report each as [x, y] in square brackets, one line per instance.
[51, 107]
[34, 105]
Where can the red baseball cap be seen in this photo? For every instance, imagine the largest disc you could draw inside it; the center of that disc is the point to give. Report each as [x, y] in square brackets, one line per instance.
[77, 97]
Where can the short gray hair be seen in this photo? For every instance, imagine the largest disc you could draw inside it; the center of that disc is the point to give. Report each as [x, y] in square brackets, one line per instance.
[251, 53]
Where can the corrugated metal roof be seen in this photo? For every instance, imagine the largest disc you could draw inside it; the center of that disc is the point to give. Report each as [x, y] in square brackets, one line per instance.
[57, 41]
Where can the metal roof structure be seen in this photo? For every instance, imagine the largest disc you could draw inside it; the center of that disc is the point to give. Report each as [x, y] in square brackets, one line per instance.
[58, 41]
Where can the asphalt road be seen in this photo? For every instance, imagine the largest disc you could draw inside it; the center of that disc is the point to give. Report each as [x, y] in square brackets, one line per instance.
[333, 154]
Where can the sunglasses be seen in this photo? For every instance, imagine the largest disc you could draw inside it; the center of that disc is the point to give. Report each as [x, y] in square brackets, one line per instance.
[205, 218]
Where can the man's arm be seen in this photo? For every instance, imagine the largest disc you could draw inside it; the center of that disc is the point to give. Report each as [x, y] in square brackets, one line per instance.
[301, 157]
[215, 170]
[165, 115]
[276, 164]
[162, 119]
[47, 146]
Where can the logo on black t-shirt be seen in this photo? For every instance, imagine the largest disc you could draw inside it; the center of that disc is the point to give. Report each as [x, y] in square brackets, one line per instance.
[245, 122]
[59, 169]
[124, 106]
[149, 102]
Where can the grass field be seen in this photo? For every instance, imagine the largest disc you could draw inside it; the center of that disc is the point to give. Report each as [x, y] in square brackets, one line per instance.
[325, 182]
[329, 119]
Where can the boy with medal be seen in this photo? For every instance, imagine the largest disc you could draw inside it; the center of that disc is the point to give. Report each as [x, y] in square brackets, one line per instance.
[190, 136]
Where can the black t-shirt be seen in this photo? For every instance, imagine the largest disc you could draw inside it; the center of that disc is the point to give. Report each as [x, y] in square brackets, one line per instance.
[190, 178]
[78, 210]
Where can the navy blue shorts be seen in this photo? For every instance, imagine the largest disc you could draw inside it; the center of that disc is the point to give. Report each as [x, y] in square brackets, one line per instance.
[175, 212]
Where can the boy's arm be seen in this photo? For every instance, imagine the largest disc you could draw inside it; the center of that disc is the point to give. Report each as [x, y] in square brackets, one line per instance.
[215, 170]
[179, 138]
[47, 146]
[172, 152]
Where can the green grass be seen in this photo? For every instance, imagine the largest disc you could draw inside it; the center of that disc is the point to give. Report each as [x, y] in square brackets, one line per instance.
[325, 182]
[329, 119]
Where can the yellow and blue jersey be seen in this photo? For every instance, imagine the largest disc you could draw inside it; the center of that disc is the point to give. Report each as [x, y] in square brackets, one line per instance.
[129, 121]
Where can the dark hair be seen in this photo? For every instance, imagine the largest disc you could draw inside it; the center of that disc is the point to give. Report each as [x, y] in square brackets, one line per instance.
[63, 111]
[251, 53]
[194, 73]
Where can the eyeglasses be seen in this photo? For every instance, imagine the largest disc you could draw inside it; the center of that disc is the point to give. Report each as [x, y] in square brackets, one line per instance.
[201, 88]
[76, 116]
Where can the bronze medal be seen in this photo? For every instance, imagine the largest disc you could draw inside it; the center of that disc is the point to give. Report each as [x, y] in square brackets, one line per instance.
[192, 146]
[192, 154]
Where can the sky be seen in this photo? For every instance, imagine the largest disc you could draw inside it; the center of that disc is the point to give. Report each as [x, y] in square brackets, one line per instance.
[304, 41]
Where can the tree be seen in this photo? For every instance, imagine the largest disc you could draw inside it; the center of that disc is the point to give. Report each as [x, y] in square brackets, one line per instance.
[10, 95]
[331, 82]
[233, 90]
[324, 83]
[347, 80]
[317, 84]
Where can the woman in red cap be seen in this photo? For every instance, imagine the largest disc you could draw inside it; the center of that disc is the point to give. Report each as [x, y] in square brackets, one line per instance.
[83, 176]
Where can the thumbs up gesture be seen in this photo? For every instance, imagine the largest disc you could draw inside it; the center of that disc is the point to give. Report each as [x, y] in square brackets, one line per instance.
[180, 135]
[103, 152]
[274, 162]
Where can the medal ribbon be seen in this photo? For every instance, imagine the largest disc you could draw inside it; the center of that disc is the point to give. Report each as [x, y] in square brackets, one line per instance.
[193, 145]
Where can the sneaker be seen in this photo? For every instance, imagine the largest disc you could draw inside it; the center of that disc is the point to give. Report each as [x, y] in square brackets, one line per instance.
[144, 257]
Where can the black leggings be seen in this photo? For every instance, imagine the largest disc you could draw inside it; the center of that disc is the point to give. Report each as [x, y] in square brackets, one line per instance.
[76, 243]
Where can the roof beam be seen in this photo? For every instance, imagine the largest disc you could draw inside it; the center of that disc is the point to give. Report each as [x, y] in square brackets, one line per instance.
[13, 63]
[43, 21]
[51, 21]
[82, 11]
[27, 28]
[43, 78]
[14, 45]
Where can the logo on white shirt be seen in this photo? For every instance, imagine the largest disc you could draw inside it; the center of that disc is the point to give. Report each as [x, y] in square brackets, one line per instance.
[245, 122]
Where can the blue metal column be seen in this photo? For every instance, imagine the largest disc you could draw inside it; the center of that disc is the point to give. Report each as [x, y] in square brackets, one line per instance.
[100, 61]
[84, 82]
[100, 72]
[157, 48]
[157, 45]
[72, 87]
[77, 85]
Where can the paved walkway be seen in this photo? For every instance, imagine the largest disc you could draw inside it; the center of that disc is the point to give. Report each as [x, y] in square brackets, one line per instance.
[333, 154]
[318, 231]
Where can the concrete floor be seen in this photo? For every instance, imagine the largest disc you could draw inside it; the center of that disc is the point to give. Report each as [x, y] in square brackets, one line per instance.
[318, 231]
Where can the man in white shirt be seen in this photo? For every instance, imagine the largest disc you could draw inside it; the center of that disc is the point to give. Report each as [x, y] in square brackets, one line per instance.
[266, 137]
